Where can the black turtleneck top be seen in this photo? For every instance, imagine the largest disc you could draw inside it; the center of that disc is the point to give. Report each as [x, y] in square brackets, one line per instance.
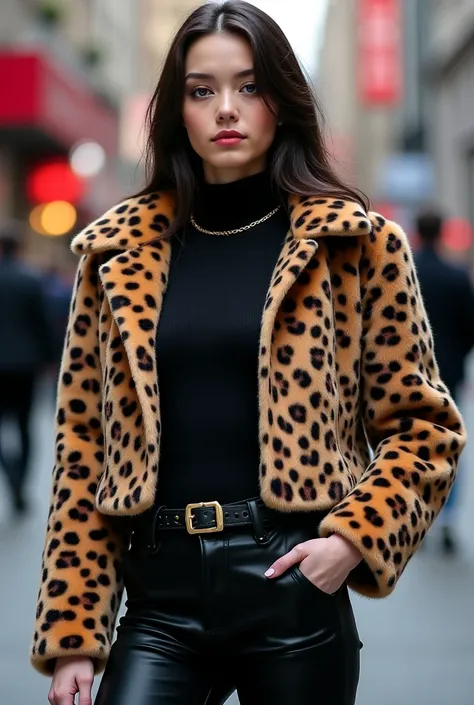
[208, 342]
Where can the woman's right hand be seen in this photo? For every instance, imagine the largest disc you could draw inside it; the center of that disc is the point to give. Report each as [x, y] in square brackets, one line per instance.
[73, 674]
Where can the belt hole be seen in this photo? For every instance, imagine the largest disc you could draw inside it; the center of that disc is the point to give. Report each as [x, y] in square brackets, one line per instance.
[205, 514]
[227, 515]
[245, 514]
[236, 515]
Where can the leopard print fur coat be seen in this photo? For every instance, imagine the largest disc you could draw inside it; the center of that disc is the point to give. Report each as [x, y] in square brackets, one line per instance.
[346, 363]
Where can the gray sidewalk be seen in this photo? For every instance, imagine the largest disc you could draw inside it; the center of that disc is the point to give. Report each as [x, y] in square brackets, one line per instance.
[419, 643]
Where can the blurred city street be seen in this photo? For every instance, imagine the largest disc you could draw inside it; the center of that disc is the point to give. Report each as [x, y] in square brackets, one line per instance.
[418, 644]
[397, 95]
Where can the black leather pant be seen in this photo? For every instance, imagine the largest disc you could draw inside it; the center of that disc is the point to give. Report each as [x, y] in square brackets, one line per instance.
[202, 620]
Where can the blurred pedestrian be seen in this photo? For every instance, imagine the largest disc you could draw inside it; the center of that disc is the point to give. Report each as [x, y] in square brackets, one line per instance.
[25, 350]
[244, 254]
[449, 300]
[58, 291]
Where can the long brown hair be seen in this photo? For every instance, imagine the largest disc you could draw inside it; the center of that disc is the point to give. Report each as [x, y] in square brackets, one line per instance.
[298, 160]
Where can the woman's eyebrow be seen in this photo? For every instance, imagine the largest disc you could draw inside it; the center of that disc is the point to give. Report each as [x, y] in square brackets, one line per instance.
[239, 74]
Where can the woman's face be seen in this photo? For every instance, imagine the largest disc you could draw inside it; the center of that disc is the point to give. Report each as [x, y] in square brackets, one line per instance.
[220, 96]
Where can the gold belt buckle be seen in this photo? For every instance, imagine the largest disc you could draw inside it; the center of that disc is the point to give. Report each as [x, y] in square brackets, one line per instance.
[189, 516]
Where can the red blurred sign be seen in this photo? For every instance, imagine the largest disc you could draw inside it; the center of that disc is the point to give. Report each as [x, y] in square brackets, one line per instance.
[379, 51]
[38, 92]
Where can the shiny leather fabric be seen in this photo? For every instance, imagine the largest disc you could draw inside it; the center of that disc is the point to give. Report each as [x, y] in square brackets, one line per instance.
[203, 620]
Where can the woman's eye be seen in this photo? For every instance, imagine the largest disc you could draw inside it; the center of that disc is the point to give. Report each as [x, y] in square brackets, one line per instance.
[200, 92]
[250, 88]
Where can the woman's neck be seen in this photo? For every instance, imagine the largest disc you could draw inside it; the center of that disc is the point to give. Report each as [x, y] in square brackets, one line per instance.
[236, 203]
[218, 176]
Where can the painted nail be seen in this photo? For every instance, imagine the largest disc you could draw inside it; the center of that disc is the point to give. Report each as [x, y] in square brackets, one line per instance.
[269, 572]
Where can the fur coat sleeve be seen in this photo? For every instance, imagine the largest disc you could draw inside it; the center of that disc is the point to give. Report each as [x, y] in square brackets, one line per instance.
[80, 583]
[412, 424]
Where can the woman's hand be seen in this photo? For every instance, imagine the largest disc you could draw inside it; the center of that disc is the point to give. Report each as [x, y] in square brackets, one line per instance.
[73, 674]
[325, 562]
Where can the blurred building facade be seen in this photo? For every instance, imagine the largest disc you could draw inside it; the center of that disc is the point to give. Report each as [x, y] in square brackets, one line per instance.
[336, 87]
[90, 48]
[414, 141]
[360, 133]
[452, 64]
[65, 68]
[73, 71]
[159, 20]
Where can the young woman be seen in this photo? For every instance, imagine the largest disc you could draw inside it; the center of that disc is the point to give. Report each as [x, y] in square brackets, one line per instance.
[241, 333]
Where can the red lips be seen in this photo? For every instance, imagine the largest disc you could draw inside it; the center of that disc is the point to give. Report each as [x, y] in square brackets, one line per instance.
[228, 134]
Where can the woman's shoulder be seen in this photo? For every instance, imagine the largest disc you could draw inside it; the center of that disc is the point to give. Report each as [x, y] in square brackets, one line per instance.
[386, 236]
[128, 224]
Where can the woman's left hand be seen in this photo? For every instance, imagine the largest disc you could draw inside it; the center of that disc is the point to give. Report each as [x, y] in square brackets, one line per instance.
[325, 562]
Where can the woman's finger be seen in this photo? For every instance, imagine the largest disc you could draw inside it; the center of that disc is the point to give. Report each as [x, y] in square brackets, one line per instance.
[284, 562]
[63, 698]
[85, 688]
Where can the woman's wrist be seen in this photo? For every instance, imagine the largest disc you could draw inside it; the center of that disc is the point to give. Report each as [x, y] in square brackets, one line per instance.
[347, 550]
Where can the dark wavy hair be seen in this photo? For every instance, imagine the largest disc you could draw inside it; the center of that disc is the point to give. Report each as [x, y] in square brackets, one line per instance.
[298, 159]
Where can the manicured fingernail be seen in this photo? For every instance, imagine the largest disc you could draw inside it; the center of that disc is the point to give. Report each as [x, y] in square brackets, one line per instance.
[269, 572]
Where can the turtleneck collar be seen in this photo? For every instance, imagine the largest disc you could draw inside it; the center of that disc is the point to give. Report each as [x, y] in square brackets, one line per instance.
[238, 203]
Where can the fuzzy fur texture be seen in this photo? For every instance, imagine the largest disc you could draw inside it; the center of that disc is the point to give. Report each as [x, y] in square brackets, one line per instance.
[346, 361]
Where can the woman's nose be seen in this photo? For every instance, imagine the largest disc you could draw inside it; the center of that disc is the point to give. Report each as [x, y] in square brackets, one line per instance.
[227, 109]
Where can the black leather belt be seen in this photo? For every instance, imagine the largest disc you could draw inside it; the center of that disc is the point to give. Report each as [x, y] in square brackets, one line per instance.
[211, 517]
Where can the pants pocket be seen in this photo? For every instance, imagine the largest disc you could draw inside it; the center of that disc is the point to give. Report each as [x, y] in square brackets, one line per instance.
[299, 577]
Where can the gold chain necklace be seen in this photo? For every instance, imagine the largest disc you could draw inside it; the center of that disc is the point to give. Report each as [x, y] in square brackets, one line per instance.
[236, 230]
